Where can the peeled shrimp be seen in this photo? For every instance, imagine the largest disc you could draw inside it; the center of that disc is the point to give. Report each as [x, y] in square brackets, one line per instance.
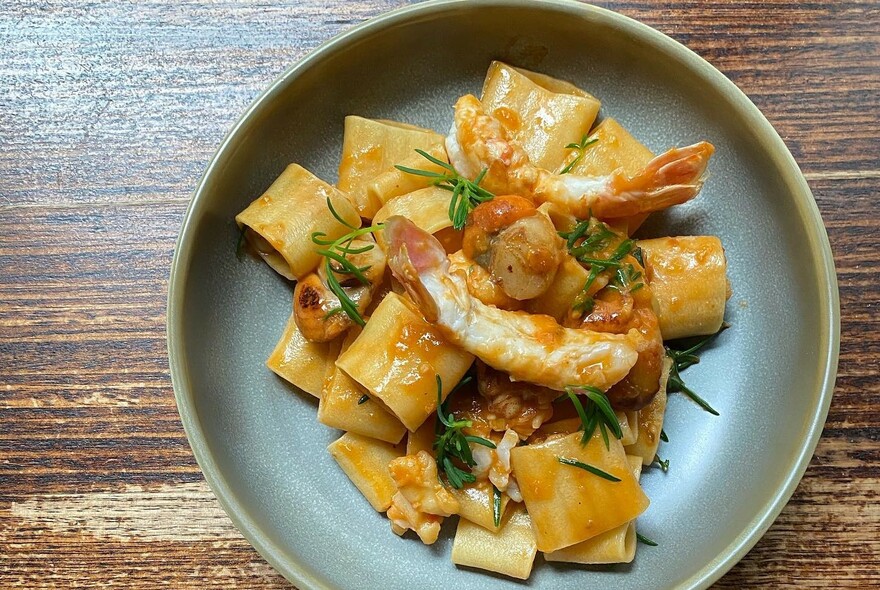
[618, 312]
[480, 283]
[478, 140]
[404, 517]
[314, 302]
[527, 347]
[494, 464]
[518, 406]
[516, 243]
[421, 498]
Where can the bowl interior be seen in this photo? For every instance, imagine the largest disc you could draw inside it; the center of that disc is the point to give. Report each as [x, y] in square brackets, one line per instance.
[258, 439]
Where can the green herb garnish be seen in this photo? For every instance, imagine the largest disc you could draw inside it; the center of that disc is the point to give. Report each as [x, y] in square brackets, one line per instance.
[681, 360]
[338, 251]
[584, 243]
[466, 194]
[452, 444]
[590, 468]
[364, 399]
[596, 411]
[663, 436]
[496, 506]
[627, 279]
[639, 255]
[645, 540]
[581, 149]
[664, 465]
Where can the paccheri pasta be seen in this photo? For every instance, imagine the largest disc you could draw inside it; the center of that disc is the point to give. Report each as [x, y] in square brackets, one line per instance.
[473, 312]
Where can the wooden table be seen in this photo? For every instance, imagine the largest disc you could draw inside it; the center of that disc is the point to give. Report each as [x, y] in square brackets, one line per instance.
[108, 114]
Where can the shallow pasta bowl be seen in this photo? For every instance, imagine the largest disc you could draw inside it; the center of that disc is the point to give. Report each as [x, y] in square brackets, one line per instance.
[771, 375]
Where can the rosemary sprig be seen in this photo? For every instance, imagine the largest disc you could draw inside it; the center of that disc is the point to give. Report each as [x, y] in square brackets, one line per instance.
[496, 506]
[595, 412]
[338, 251]
[664, 465]
[645, 540]
[584, 242]
[466, 194]
[581, 149]
[452, 444]
[627, 279]
[681, 360]
[590, 468]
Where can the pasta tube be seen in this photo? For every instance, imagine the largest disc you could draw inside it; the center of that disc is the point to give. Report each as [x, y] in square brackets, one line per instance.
[280, 223]
[345, 405]
[541, 113]
[557, 301]
[428, 208]
[689, 288]
[509, 551]
[397, 358]
[614, 148]
[569, 504]
[615, 546]
[301, 362]
[393, 182]
[476, 504]
[423, 438]
[365, 462]
[371, 147]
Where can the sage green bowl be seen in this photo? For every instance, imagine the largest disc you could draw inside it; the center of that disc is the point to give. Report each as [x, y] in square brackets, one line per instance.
[771, 375]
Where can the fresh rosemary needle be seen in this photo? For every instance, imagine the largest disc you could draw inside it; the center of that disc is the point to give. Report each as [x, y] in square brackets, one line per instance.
[364, 399]
[585, 242]
[581, 149]
[466, 194]
[596, 411]
[664, 465]
[590, 468]
[451, 444]
[496, 506]
[337, 251]
[681, 360]
[643, 539]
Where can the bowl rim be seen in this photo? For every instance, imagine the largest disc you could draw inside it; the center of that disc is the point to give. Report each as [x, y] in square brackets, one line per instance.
[823, 267]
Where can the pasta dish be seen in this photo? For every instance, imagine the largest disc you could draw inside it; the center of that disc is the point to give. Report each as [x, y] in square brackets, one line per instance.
[474, 312]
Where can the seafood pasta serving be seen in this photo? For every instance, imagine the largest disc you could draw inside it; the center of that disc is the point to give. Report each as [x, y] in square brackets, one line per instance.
[473, 311]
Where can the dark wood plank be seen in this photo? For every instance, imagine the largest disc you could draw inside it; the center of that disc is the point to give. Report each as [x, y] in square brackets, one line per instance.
[108, 113]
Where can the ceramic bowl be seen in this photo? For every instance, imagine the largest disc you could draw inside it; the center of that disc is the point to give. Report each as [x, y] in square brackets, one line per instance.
[770, 375]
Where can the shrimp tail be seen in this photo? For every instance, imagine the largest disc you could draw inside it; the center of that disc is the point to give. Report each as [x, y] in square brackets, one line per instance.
[672, 178]
[412, 253]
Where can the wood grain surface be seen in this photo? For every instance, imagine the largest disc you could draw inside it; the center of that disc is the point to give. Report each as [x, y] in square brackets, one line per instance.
[109, 112]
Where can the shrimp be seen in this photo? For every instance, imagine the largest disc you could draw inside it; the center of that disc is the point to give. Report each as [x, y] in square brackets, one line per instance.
[479, 141]
[494, 403]
[618, 312]
[404, 517]
[521, 407]
[421, 498]
[494, 464]
[516, 243]
[480, 283]
[532, 348]
[314, 304]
